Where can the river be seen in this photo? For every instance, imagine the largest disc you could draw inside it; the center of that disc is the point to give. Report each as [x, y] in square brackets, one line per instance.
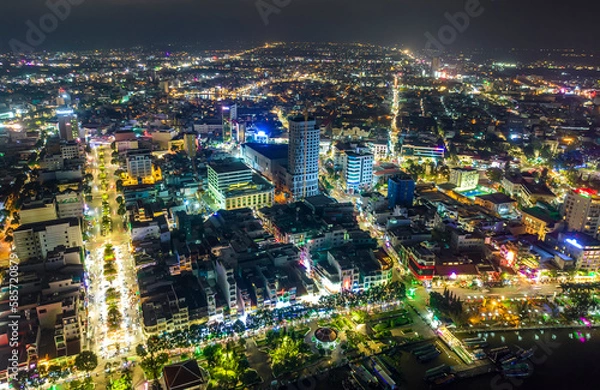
[563, 359]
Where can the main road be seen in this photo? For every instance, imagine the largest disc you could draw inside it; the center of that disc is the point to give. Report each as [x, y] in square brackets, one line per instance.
[110, 344]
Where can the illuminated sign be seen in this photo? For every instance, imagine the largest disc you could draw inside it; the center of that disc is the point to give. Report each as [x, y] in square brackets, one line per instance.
[574, 242]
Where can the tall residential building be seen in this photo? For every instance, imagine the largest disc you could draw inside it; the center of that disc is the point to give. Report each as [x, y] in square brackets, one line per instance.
[582, 211]
[303, 157]
[35, 240]
[358, 171]
[401, 190]
[68, 128]
[70, 149]
[139, 163]
[584, 249]
[464, 178]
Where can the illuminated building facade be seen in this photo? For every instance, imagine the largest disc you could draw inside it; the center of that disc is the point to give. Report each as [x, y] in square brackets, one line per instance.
[303, 157]
[582, 211]
[425, 151]
[584, 249]
[233, 186]
[139, 163]
[37, 239]
[358, 171]
[68, 128]
[464, 178]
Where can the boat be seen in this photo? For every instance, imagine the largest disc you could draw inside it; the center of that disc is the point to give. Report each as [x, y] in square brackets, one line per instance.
[432, 372]
[430, 356]
[473, 340]
[423, 348]
[524, 354]
[506, 358]
[517, 373]
[425, 351]
[482, 344]
[479, 354]
[517, 370]
[511, 361]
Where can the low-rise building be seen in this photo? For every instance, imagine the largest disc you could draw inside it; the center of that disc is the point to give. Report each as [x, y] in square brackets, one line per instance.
[164, 312]
[540, 221]
[70, 204]
[38, 211]
[498, 203]
[464, 178]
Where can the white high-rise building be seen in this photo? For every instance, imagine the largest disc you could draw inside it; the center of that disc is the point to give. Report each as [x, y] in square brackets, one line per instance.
[303, 157]
[582, 211]
[358, 171]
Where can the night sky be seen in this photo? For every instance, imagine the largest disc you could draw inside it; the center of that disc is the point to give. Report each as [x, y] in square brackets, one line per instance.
[223, 23]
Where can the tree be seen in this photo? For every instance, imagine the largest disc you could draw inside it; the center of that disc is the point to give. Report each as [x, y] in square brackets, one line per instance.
[153, 357]
[582, 303]
[120, 199]
[86, 361]
[114, 317]
[494, 174]
[212, 354]
[119, 185]
[124, 382]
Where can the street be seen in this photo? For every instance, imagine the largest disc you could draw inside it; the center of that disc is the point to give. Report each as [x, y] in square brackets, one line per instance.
[110, 345]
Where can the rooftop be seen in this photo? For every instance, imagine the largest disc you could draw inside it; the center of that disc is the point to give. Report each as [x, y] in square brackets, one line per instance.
[42, 225]
[496, 198]
[229, 166]
[580, 240]
[548, 216]
[183, 375]
[271, 151]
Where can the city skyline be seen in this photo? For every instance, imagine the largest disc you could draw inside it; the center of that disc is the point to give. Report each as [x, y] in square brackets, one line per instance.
[408, 197]
[207, 24]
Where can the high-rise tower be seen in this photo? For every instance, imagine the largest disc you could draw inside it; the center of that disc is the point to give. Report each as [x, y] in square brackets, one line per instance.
[303, 157]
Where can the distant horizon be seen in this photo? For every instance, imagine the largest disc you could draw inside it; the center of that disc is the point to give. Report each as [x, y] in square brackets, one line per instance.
[75, 25]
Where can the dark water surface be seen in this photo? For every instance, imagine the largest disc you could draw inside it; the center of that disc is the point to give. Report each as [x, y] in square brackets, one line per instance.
[563, 359]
